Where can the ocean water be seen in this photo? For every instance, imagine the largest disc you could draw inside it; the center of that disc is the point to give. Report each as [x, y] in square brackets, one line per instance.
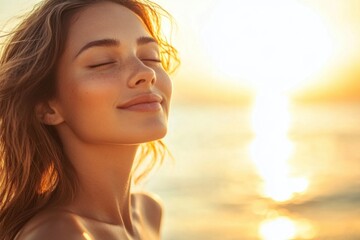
[215, 190]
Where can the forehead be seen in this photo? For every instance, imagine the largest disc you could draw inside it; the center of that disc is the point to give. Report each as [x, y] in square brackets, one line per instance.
[104, 20]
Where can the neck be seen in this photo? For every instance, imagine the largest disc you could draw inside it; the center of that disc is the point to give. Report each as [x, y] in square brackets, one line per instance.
[104, 174]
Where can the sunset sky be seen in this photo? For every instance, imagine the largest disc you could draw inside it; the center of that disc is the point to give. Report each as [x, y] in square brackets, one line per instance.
[308, 48]
[233, 48]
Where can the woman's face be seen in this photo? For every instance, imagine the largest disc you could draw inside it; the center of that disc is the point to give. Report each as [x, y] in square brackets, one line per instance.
[111, 87]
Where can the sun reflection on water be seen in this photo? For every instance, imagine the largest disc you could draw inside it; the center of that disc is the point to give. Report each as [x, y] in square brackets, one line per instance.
[285, 228]
[271, 149]
[280, 228]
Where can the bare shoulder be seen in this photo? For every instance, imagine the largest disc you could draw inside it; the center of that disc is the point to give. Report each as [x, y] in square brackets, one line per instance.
[151, 208]
[53, 225]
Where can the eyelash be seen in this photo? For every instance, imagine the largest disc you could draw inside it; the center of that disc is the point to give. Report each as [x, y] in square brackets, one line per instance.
[152, 60]
[101, 64]
[106, 63]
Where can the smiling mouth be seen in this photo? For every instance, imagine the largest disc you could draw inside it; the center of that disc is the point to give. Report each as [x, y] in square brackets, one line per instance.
[143, 103]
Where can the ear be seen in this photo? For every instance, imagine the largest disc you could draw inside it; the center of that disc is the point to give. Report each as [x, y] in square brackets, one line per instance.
[48, 114]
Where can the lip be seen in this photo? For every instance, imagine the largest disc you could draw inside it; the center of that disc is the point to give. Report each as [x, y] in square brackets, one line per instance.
[149, 102]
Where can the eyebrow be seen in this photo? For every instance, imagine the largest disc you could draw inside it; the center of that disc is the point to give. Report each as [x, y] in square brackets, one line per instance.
[145, 40]
[108, 42]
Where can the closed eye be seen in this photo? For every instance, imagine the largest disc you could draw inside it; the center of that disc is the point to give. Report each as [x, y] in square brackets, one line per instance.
[100, 64]
[152, 60]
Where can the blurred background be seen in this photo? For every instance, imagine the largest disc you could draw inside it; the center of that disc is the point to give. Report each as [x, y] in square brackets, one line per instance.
[265, 121]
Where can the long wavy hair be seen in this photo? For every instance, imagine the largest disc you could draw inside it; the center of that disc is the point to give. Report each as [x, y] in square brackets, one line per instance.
[34, 171]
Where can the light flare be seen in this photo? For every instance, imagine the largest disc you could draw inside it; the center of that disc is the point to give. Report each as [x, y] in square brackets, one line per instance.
[87, 236]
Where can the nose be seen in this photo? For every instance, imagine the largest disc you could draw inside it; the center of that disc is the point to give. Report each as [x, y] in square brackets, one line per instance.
[142, 75]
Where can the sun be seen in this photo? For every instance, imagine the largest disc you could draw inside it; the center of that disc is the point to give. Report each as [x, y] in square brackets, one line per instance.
[266, 44]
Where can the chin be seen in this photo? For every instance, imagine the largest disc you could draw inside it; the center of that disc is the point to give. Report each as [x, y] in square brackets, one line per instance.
[155, 135]
[155, 131]
[147, 135]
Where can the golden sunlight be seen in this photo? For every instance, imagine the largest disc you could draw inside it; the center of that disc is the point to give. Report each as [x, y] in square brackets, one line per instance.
[284, 228]
[271, 149]
[87, 236]
[280, 228]
[267, 44]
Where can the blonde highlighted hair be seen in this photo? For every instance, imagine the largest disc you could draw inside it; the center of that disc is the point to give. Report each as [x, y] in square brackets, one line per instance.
[34, 171]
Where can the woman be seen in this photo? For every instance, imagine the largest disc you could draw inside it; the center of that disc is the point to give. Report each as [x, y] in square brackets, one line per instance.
[84, 99]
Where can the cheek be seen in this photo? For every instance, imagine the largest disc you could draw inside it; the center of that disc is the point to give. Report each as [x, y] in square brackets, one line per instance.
[87, 95]
[88, 103]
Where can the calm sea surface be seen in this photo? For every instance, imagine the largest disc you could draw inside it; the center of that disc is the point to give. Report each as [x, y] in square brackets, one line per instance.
[215, 189]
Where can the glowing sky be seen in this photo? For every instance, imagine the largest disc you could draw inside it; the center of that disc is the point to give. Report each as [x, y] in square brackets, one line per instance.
[243, 44]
